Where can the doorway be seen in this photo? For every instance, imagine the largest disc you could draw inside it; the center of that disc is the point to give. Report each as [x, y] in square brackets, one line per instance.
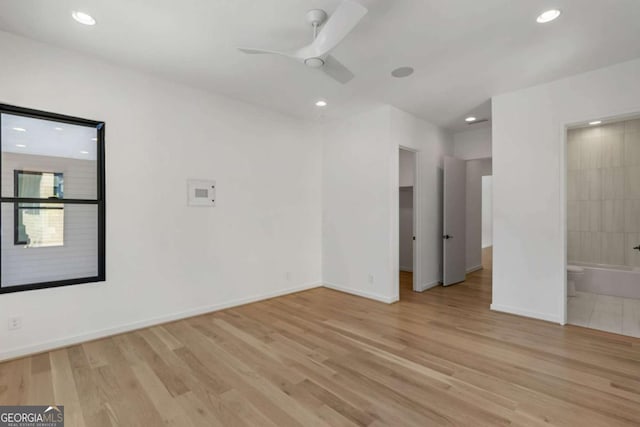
[487, 221]
[603, 225]
[468, 222]
[406, 219]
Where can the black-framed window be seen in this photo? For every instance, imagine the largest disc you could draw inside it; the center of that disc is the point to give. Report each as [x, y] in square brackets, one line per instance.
[52, 184]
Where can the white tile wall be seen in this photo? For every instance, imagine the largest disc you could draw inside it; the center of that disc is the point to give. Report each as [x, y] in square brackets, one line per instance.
[589, 214]
[573, 147]
[632, 182]
[603, 192]
[590, 249]
[613, 150]
[631, 216]
[591, 153]
[613, 183]
[632, 257]
[632, 126]
[594, 182]
[573, 216]
[612, 252]
[573, 245]
[632, 149]
[613, 216]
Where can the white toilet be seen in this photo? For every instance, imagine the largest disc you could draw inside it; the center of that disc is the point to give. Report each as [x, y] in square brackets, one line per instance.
[574, 275]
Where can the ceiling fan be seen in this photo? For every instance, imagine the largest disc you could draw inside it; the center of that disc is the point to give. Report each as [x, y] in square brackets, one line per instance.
[317, 54]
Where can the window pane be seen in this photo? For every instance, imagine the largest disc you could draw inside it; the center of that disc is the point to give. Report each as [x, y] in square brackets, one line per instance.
[39, 225]
[38, 145]
[77, 257]
[42, 185]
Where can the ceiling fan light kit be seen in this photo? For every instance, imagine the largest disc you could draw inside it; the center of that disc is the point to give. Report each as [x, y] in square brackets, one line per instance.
[333, 29]
[314, 62]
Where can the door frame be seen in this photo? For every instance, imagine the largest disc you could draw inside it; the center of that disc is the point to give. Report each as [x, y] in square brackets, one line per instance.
[395, 220]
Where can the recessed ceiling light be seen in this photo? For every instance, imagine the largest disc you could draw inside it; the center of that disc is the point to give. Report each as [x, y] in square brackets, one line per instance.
[402, 72]
[84, 152]
[548, 16]
[58, 129]
[21, 146]
[20, 129]
[470, 119]
[321, 103]
[83, 18]
[595, 122]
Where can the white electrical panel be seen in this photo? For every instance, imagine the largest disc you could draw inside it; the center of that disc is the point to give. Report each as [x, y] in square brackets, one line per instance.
[201, 192]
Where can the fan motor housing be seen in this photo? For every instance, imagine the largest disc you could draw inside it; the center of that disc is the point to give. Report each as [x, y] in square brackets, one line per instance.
[314, 62]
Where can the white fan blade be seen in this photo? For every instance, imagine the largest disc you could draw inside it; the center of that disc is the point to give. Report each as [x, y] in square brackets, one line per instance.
[339, 25]
[252, 51]
[334, 69]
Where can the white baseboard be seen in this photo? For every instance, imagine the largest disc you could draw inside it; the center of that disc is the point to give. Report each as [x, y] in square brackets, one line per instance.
[409, 269]
[76, 339]
[425, 286]
[527, 313]
[474, 269]
[386, 300]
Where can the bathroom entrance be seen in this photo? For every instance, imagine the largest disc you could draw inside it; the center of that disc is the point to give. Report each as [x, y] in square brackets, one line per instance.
[603, 225]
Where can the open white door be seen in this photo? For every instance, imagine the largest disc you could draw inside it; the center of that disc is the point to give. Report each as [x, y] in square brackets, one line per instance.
[454, 220]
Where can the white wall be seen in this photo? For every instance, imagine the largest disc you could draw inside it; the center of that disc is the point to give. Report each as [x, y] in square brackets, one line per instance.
[529, 182]
[487, 211]
[472, 144]
[360, 199]
[476, 169]
[356, 220]
[164, 259]
[431, 144]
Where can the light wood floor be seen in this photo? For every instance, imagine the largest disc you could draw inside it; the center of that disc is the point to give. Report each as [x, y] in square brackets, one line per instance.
[325, 358]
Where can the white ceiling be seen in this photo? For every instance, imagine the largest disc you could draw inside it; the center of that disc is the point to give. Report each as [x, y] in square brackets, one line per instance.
[463, 51]
[47, 138]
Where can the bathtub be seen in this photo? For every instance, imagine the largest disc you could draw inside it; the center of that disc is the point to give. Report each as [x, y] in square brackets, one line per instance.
[617, 281]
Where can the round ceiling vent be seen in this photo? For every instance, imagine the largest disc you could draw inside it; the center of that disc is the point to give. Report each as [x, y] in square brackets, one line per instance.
[402, 72]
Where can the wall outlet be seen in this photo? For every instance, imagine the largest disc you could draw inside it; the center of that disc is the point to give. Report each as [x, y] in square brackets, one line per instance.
[14, 323]
[371, 278]
[287, 275]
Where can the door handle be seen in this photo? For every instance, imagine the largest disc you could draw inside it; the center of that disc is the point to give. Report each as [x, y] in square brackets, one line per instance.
[447, 237]
[637, 248]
